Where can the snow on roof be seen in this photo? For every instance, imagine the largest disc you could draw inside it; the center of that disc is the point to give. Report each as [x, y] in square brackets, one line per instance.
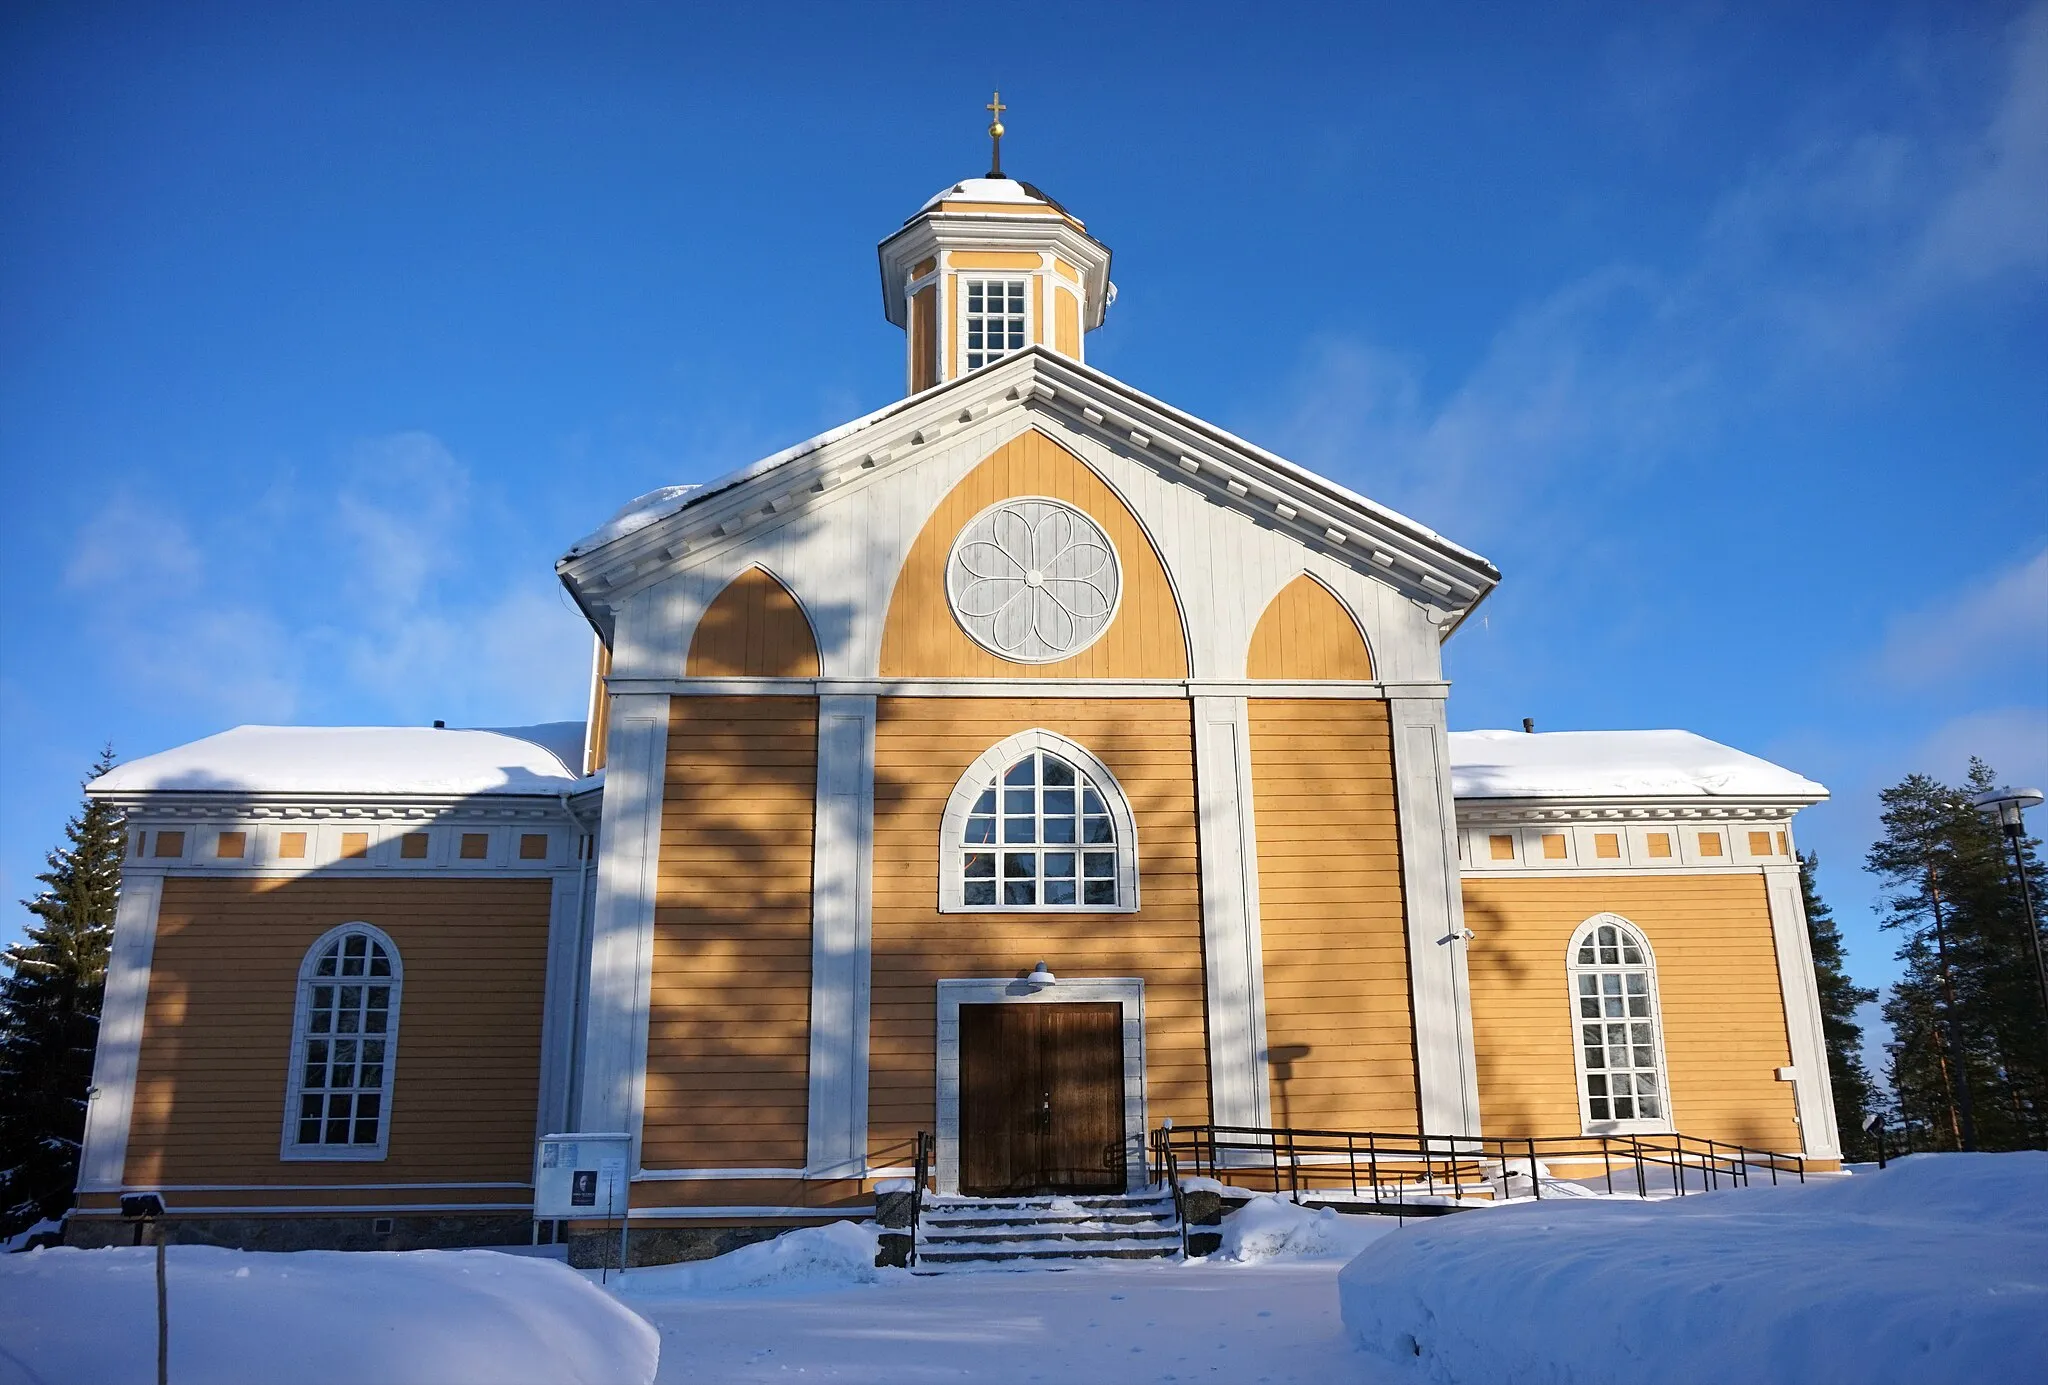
[362, 760]
[986, 190]
[1614, 764]
[659, 504]
[636, 514]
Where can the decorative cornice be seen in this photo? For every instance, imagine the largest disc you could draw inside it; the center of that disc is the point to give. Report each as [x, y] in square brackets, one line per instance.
[1445, 580]
[935, 231]
[170, 805]
[1623, 810]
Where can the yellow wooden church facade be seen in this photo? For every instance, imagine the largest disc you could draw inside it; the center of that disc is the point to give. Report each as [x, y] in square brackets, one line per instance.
[1026, 751]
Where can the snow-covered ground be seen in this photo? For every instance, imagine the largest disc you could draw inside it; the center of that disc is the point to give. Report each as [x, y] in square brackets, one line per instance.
[68, 1317]
[1933, 1270]
[811, 1305]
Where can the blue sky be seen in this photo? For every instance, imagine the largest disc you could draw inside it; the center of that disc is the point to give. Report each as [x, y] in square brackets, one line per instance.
[1719, 328]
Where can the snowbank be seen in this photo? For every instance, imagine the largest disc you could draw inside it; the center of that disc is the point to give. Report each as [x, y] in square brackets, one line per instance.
[1933, 1270]
[1614, 764]
[812, 1257]
[1273, 1228]
[361, 759]
[435, 1317]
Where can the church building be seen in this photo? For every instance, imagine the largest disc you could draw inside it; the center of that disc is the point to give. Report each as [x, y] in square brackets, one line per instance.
[1028, 762]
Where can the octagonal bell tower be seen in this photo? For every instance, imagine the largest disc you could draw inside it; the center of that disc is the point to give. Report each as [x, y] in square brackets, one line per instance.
[989, 266]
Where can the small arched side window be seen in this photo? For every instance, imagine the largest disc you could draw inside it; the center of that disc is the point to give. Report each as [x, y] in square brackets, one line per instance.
[344, 1047]
[1619, 1033]
[1037, 824]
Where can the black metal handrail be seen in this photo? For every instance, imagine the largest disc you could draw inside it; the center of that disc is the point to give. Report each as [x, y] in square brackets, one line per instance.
[1169, 1172]
[920, 1171]
[1408, 1162]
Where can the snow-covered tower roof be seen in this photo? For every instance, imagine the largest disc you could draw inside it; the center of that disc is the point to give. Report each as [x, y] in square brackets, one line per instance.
[988, 266]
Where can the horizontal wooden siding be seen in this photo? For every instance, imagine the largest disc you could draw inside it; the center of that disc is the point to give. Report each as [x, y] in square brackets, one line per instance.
[922, 747]
[728, 1036]
[1717, 982]
[1331, 915]
[217, 1030]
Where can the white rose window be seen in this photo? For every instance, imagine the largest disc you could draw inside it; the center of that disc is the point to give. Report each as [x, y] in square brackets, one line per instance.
[1033, 580]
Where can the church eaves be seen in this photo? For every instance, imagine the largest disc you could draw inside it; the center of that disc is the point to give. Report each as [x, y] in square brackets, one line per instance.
[1445, 578]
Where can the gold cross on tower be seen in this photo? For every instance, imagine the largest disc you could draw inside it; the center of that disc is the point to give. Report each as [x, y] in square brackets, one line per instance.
[995, 108]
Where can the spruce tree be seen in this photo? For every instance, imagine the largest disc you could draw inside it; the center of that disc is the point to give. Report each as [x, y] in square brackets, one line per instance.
[1839, 998]
[1968, 1060]
[50, 1015]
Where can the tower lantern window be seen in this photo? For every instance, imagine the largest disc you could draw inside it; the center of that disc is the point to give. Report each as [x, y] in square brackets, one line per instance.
[995, 320]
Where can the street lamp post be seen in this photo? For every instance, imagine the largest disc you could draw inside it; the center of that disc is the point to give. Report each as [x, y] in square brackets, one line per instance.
[2008, 805]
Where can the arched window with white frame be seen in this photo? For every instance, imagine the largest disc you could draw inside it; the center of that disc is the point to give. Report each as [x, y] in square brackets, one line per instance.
[344, 1047]
[1619, 1032]
[1038, 825]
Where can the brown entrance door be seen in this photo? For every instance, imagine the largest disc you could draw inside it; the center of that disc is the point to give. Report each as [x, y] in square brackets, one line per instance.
[1041, 1099]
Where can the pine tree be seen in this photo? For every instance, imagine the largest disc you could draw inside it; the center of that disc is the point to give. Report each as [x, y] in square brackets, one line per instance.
[50, 1014]
[1967, 1055]
[1854, 1094]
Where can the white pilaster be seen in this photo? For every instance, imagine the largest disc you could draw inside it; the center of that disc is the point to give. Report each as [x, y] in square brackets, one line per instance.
[614, 1086]
[112, 1101]
[1445, 1073]
[841, 913]
[1809, 1047]
[1234, 959]
[567, 921]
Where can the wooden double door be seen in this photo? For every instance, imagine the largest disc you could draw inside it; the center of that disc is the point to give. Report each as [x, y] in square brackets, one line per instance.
[1041, 1099]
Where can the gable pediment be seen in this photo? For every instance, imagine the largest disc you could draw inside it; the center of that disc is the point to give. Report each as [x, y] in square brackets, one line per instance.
[1034, 387]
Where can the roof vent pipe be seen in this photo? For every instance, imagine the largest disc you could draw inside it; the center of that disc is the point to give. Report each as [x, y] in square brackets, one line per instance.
[1528, 725]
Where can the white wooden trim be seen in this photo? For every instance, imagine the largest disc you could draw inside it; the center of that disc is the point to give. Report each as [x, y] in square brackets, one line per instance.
[1812, 1090]
[614, 1086]
[559, 1000]
[363, 1208]
[1637, 1125]
[289, 1148]
[1233, 949]
[111, 1099]
[1446, 1069]
[863, 1209]
[836, 1135]
[1129, 991]
[840, 514]
[718, 1175]
[1029, 687]
[1596, 873]
[320, 1187]
[990, 764]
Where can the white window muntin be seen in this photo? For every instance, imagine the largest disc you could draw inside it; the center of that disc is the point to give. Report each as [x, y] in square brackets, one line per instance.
[344, 1047]
[995, 317]
[1617, 1029]
[993, 839]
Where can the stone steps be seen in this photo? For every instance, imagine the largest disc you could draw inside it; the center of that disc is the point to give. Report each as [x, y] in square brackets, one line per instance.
[1045, 1232]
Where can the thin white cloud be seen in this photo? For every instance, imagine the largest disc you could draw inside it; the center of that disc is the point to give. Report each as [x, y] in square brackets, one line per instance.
[1996, 217]
[1631, 365]
[2012, 740]
[399, 590]
[1985, 628]
[401, 508]
[129, 544]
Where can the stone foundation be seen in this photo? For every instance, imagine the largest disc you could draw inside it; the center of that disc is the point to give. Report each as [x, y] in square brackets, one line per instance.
[590, 1250]
[435, 1232]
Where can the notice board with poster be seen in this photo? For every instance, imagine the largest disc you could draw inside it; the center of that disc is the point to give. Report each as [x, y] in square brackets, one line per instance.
[581, 1177]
